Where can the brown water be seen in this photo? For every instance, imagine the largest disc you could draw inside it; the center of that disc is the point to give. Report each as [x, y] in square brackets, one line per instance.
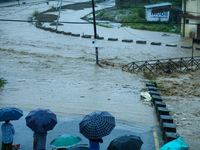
[58, 72]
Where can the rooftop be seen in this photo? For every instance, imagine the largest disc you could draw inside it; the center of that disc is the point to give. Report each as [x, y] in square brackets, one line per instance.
[158, 5]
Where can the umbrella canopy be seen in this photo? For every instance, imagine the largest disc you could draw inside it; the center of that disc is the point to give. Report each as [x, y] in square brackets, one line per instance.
[177, 144]
[126, 142]
[10, 113]
[80, 147]
[65, 141]
[41, 120]
[97, 124]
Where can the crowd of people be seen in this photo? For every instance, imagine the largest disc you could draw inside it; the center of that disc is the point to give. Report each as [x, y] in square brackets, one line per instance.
[39, 139]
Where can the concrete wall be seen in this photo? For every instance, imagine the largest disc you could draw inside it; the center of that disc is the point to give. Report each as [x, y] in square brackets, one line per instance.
[192, 8]
[191, 28]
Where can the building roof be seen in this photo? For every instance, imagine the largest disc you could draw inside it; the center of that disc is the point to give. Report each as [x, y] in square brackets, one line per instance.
[191, 16]
[158, 5]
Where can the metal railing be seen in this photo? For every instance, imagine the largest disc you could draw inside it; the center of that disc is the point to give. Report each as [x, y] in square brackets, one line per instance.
[163, 65]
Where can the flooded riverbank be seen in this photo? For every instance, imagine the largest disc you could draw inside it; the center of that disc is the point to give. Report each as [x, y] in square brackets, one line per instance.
[58, 72]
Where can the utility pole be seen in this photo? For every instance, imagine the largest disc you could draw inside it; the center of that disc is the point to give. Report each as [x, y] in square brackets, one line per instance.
[58, 15]
[95, 33]
[184, 13]
[57, 4]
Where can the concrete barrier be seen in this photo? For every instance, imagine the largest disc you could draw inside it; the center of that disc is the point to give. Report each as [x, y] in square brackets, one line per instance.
[127, 40]
[46, 28]
[52, 30]
[162, 111]
[86, 36]
[155, 43]
[67, 33]
[141, 42]
[197, 48]
[99, 38]
[170, 136]
[112, 39]
[75, 34]
[171, 45]
[156, 98]
[168, 127]
[165, 118]
[59, 32]
[159, 104]
[188, 47]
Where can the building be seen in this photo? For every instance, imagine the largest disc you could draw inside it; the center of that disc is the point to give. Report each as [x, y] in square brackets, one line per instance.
[190, 21]
[158, 12]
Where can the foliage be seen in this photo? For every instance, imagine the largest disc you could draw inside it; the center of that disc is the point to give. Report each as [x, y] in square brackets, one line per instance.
[174, 2]
[2, 82]
[154, 83]
[53, 8]
[35, 13]
[39, 23]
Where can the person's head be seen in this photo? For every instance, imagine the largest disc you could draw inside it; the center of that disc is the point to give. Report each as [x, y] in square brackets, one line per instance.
[7, 121]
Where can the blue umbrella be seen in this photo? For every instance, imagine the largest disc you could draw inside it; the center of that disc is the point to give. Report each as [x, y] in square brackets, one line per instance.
[177, 144]
[10, 113]
[41, 120]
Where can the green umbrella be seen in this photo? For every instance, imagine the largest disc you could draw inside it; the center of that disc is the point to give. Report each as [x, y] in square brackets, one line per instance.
[65, 141]
[177, 144]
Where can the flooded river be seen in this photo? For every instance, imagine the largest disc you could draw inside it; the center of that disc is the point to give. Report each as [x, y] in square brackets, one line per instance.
[58, 72]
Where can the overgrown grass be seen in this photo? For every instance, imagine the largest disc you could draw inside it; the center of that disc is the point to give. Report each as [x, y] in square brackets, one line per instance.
[133, 16]
[3, 82]
[35, 13]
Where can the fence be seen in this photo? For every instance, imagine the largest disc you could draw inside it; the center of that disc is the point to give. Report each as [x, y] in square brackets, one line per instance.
[163, 65]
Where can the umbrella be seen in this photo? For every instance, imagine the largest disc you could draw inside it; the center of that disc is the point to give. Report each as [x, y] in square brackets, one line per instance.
[80, 147]
[97, 124]
[65, 141]
[10, 113]
[177, 144]
[126, 142]
[41, 120]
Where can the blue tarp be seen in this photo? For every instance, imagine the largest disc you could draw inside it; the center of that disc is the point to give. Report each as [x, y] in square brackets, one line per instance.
[177, 144]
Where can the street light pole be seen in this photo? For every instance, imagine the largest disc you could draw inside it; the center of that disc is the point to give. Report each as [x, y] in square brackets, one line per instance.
[95, 33]
[58, 15]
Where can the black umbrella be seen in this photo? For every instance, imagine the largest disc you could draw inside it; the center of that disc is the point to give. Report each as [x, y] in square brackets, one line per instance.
[97, 125]
[80, 147]
[126, 142]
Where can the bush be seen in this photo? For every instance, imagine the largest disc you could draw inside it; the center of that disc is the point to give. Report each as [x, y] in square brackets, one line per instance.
[2, 82]
[35, 13]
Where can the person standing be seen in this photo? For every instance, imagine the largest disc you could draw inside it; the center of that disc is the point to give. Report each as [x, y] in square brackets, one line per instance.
[94, 144]
[8, 132]
[39, 142]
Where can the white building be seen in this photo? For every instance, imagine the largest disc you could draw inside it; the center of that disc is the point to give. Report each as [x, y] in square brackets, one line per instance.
[158, 12]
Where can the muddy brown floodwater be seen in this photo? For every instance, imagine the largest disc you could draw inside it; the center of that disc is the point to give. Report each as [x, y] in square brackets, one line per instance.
[58, 72]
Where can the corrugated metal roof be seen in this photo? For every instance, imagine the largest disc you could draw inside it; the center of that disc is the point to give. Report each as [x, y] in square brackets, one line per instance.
[157, 5]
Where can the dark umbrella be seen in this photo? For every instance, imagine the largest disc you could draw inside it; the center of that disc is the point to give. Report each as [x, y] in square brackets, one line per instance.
[97, 125]
[41, 120]
[80, 147]
[10, 113]
[126, 142]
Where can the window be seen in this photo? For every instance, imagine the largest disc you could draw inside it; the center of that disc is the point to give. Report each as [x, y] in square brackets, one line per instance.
[186, 21]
